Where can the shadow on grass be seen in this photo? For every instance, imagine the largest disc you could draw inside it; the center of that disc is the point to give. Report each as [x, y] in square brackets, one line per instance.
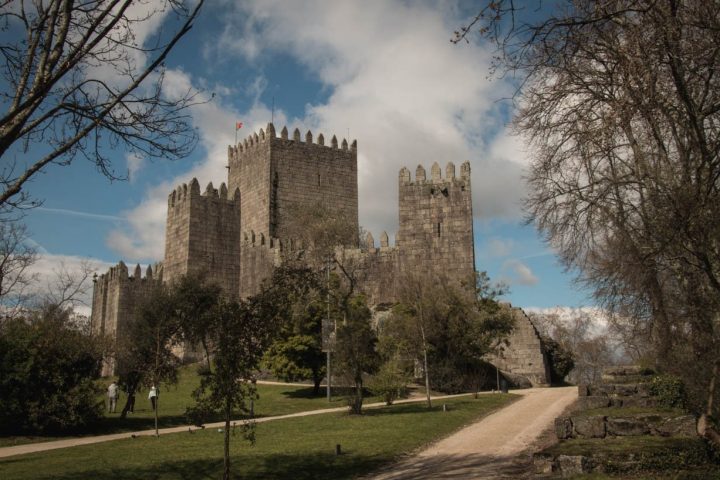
[317, 466]
[299, 467]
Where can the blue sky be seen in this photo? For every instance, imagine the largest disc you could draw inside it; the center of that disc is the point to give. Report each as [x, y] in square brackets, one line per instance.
[384, 71]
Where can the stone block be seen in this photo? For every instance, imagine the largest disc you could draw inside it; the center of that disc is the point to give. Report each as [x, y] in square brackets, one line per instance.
[570, 465]
[627, 426]
[676, 426]
[589, 427]
[625, 390]
[563, 428]
[587, 403]
[543, 463]
[583, 390]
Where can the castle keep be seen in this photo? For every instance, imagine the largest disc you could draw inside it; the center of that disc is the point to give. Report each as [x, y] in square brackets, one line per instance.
[236, 233]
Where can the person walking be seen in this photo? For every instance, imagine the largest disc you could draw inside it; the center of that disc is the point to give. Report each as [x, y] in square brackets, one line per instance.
[113, 393]
[152, 396]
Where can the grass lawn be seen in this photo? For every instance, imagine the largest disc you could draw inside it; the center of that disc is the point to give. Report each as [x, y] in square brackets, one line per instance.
[174, 399]
[298, 448]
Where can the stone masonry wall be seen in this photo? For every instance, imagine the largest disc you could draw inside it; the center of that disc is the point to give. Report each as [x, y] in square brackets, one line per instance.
[249, 171]
[115, 297]
[208, 227]
[524, 355]
[436, 229]
[306, 175]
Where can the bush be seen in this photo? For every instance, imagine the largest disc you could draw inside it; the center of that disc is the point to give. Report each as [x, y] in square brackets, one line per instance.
[561, 360]
[669, 391]
[390, 383]
[47, 372]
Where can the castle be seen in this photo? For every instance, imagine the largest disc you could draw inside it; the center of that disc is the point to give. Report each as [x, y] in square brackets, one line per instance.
[237, 232]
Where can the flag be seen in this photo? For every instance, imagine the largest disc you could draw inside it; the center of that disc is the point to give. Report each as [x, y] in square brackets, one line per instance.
[238, 125]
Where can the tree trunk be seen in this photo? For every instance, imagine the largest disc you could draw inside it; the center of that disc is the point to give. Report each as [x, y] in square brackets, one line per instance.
[705, 427]
[426, 371]
[316, 385]
[358, 400]
[157, 407]
[226, 461]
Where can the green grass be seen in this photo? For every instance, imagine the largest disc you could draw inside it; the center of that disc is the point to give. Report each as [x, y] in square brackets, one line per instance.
[174, 399]
[298, 448]
[620, 445]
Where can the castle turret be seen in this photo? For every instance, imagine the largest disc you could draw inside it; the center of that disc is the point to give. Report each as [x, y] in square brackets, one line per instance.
[436, 221]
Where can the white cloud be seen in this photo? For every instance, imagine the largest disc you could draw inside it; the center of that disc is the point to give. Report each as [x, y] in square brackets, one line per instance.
[398, 85]
[516, 272]
[500, 247]
[134, 164]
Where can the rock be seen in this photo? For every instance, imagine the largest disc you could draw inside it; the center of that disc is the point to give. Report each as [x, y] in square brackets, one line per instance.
[583, 390]
[542, 463]
[570, 465]
[625, 390]
[589, 427]
[563, 428]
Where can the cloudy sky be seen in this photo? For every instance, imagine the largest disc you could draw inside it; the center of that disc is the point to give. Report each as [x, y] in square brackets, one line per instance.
[381, 72]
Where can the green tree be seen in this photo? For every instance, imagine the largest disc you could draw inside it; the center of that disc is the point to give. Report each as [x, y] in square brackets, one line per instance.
[355, 352]
[153, 338]
[451, 327]
[561, 360]
[239, 334]
[47, 373]
[297, 353]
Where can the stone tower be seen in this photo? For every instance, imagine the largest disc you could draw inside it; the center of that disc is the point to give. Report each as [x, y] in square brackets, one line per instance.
[277, 174]
[436, 229]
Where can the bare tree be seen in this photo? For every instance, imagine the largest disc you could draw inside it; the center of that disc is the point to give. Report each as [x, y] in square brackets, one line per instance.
[16, 256]
[620, 104]
[78, 82]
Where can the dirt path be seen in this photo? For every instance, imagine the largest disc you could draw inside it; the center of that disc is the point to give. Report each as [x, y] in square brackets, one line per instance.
[498, 446]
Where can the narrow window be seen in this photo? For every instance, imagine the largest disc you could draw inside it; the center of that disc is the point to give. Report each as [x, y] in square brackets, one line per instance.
[318, 179]
[437, 229]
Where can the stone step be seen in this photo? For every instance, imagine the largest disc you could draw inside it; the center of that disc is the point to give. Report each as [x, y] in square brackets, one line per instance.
[627, 374]
[601, 401]
[614, 390]
[602, 426]
[618, 456]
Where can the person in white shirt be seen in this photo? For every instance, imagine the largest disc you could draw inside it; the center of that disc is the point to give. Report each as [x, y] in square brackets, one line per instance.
[113, 393]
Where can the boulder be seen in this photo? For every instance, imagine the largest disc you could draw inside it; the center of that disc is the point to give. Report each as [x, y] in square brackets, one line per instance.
[570, 465]
[677, 426]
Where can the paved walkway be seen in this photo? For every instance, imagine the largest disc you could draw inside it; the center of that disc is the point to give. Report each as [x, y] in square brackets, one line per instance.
[72, 442]
[496, 447]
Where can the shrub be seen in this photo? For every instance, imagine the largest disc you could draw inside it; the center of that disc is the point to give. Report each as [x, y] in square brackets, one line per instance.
[669, 391]
[390, 383]
[47, 371]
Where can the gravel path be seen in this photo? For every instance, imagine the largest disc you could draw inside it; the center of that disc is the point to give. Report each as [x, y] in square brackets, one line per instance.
[497, 447]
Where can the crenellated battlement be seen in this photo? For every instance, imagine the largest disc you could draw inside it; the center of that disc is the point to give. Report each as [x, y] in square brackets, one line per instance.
[121, 273]
[267, 137]
[435, 174]
[184, 193]
[369, 243]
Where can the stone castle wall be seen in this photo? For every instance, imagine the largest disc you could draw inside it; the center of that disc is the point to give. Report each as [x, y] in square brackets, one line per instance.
[115, 296]
[523, 358]
[231, 233]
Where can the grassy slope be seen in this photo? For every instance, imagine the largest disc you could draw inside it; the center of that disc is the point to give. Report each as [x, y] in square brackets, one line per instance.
[174, 399]
[299, 448]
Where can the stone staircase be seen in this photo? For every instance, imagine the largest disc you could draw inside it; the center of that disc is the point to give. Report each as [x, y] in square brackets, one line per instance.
[621, 406]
